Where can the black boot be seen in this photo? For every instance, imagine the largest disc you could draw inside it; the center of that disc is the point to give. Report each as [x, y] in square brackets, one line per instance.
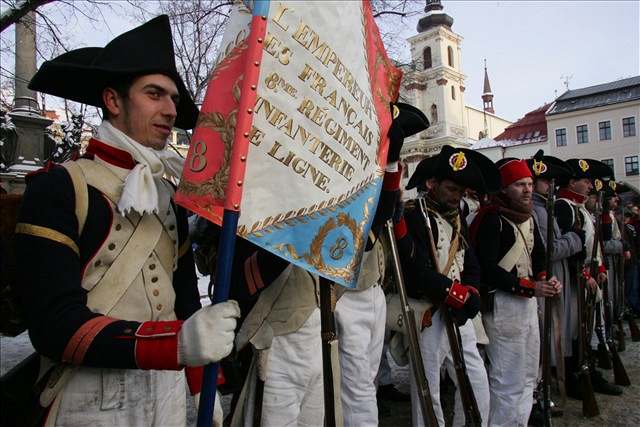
[572, 380]
[536, 417]
[600, 384]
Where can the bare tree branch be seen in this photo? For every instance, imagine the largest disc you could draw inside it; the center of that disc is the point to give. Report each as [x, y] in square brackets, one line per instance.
[20, 9]
[389, 12]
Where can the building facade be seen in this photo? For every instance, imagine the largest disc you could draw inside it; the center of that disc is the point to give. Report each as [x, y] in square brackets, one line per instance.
[435, 83]
[521, 139]
[599, 122]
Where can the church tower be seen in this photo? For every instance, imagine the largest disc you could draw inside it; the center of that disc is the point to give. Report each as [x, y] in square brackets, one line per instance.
[434, 83]
[487, 95]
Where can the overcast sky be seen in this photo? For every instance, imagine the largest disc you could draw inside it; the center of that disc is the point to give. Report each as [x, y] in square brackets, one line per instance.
[529, 46]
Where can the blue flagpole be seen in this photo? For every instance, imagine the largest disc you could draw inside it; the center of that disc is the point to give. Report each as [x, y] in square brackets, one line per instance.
[233, 193]
[226, 249]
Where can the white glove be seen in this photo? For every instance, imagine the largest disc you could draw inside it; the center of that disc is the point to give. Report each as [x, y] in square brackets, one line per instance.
[207, 336]
[218, 416]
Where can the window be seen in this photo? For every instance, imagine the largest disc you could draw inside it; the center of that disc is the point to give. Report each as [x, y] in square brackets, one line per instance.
[426, 57]
[561, 137]
[608, 162]
[450, 55]
[453, 93]
[582, 134]
[434, 114]
[405, 170]
[629, 126]
[605, 130]
[631, 165]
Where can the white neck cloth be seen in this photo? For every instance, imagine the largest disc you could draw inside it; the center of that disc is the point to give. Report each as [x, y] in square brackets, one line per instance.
[144, 190]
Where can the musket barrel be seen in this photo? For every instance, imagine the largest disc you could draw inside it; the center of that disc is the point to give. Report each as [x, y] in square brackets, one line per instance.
[415, 355]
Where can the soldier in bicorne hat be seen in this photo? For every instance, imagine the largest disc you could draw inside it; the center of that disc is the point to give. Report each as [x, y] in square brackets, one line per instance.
[450, 277]
[361, 311]
[545, 170]
[112, 302]
[572, 215]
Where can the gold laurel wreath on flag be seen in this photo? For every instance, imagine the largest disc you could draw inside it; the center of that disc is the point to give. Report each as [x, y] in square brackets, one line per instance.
[314, 256]
[225, 127]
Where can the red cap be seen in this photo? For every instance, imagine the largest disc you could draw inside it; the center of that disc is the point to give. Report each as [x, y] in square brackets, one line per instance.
[514, 170]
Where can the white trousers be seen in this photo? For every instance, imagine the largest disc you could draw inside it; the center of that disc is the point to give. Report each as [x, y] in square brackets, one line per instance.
[436, 354]
[513, 352]
[360, 319]
[293, 394]
[97, 397]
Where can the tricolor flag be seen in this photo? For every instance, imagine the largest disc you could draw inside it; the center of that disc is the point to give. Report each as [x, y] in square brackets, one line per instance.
[317, 132]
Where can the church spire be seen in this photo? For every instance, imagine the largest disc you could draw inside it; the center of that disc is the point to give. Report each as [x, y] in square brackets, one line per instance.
[487, 95]
[435, 17]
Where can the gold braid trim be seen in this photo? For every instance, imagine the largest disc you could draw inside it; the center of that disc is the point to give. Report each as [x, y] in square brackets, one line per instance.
[47, 233]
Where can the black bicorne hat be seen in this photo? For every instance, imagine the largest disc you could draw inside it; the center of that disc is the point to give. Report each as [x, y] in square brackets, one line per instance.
[548, 167]
[610, 187]
[588, 168]
[407, 121]
[82, 74]
[460, 165]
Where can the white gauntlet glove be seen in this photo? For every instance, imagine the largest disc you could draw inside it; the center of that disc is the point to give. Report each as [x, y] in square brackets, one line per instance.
[207, 336]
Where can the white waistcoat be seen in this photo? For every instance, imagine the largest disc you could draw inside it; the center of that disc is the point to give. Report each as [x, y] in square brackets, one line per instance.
[150, 296]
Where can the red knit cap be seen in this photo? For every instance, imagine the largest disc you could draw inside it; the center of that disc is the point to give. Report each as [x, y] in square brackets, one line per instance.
[514, 170]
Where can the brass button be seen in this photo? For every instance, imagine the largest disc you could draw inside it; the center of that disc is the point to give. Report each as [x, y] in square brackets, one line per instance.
[167, 328]
[112, 246]
[152, 266]
[154, 279]
[97, 263]
[159, 307]
[156, 292]
[118, 227]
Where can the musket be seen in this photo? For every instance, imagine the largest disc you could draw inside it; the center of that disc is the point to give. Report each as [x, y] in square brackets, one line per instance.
[589, 404]
[602, 353]
[409, 322]
[548, 312]
[331, 380]
[469, 404]
[633, 329]
[619, 294]
[619, 372]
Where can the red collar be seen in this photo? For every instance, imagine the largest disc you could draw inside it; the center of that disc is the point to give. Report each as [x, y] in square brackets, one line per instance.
[110, 154]
[571, 195]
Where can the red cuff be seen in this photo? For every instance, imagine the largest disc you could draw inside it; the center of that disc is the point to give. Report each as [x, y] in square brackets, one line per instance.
[400, 229]
[525, 288]
[194, 378]
[157, 345]
[391, 180]
[602, 269]
[457, 295]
